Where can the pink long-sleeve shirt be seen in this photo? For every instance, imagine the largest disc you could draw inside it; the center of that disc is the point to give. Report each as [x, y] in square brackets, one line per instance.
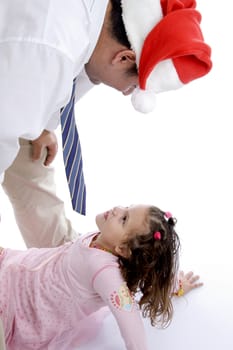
[53, 298]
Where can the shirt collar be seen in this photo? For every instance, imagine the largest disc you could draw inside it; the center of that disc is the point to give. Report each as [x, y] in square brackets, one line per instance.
[97, 10]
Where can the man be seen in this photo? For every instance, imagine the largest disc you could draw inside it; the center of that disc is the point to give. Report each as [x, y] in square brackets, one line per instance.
[48, 44]
[45, 45]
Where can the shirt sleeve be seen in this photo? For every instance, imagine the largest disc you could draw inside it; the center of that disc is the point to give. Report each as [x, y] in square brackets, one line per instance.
[109, 284]
[36, 80]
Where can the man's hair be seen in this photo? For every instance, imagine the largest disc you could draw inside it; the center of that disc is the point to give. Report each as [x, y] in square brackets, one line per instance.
[117, 25]
[118, 32]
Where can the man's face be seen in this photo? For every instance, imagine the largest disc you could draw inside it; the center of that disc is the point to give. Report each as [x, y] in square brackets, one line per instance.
[120, 74]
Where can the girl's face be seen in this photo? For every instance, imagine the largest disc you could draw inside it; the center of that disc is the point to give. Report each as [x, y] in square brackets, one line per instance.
[120, 223]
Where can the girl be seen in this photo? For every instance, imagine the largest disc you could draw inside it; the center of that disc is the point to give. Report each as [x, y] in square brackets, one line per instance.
[50, 297]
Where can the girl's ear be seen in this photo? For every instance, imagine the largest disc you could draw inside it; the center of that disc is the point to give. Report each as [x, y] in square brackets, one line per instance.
[123, 251]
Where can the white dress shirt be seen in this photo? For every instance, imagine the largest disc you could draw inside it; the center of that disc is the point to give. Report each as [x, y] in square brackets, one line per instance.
[44, 44]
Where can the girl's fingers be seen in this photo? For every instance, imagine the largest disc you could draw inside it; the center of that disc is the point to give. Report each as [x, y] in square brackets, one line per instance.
[194, 279]
[189, 275]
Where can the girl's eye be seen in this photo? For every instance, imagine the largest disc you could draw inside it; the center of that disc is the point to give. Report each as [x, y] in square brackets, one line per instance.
[124, 218]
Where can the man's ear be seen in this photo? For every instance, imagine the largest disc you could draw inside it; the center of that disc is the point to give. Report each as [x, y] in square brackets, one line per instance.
[123, 251]
[124, 57]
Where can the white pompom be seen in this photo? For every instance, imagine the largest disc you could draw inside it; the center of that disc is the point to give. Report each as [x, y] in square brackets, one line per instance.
[143, 101]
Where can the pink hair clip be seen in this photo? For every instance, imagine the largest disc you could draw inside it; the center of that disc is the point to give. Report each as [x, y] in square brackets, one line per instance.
[168, 215]
[157, 236]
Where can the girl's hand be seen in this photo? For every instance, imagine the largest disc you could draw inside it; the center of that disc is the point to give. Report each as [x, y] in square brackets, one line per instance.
[189, 281]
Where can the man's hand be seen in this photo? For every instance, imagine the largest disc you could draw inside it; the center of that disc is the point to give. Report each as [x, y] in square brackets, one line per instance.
[47, 140]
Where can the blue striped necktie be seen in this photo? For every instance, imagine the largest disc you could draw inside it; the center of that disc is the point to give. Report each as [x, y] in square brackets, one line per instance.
[72, 156]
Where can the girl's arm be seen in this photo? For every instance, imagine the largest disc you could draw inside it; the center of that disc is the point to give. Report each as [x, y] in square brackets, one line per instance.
[109, 284]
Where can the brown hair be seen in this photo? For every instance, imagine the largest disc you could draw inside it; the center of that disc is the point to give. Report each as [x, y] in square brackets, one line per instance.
[117, 25]
[152, 267]
[118, 32]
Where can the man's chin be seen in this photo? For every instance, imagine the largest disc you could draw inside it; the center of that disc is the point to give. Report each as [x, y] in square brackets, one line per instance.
[95, 82]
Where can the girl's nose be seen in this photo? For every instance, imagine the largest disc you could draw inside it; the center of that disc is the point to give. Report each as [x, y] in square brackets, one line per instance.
[114, 211]
[117, 210]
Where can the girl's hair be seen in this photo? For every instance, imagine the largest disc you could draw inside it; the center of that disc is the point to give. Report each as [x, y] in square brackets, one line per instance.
[152, 266]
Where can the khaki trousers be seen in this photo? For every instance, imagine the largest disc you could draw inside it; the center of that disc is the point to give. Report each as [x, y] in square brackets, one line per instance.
[39, 213]
[2, 341]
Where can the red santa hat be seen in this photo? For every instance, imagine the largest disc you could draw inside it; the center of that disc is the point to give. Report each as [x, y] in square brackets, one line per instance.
[169, 46]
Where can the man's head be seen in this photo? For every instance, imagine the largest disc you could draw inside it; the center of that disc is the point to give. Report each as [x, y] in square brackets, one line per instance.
[154, 44]
[113, 62]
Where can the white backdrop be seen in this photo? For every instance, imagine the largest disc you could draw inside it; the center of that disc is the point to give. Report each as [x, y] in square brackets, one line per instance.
[179, 158]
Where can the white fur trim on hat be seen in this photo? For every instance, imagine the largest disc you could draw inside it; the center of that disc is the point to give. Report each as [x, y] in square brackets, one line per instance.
[163, 78]
[144, 101]
[134, 13]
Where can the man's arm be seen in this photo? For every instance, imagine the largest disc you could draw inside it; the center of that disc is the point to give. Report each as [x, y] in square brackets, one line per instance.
[36, 81]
